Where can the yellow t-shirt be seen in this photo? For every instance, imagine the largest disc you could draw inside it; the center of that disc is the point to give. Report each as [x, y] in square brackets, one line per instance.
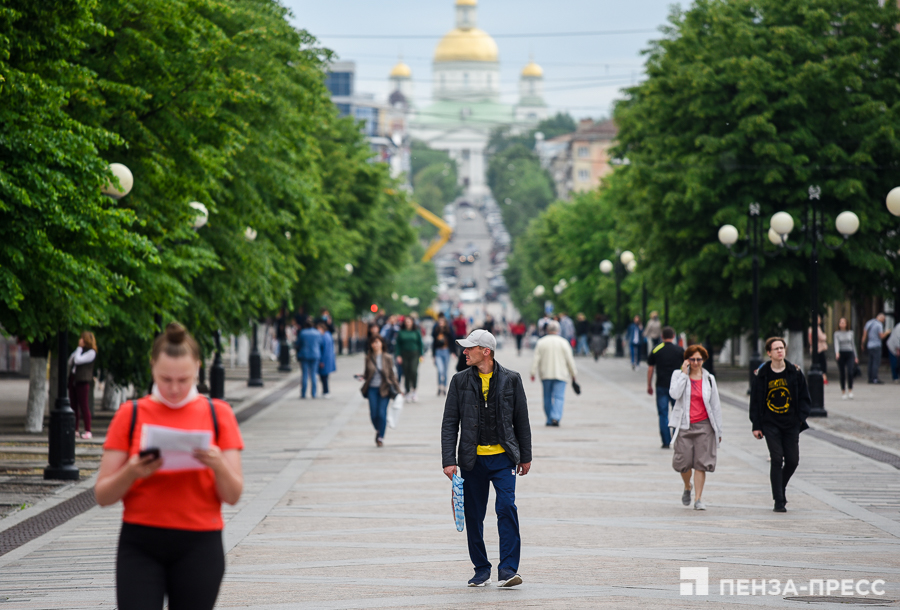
[485, 386]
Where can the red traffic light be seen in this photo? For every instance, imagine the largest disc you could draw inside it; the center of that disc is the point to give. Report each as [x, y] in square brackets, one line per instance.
[374, 308]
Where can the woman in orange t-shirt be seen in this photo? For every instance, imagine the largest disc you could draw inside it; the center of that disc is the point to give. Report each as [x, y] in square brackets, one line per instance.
[171, 539]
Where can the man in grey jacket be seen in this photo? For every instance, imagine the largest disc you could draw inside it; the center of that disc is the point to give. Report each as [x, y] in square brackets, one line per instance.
[487, 412]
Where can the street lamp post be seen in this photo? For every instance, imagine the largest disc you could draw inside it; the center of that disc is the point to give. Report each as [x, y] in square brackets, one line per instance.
[217, 372]
[61, 440]
[255, 380]
[846, 223]
[728, 236]
[624, 264]
[61, 435]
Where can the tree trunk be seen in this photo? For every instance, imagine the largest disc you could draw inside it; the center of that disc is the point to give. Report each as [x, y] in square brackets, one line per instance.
[113, 395]
[37, 388]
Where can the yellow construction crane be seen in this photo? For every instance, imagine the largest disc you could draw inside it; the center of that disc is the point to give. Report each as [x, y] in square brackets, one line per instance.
[444, 232]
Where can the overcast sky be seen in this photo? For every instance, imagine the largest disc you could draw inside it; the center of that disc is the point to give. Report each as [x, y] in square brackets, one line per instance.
[582, 74]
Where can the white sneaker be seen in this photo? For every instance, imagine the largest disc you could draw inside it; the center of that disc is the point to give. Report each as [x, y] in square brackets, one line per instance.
[415, 397]
[843, 397]
[850, 394]
[698, 505]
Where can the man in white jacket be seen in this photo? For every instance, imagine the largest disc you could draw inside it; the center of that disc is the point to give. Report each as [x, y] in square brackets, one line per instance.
[555, 364]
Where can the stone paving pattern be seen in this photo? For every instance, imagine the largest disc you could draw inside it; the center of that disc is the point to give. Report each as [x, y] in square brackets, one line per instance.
[329, 521]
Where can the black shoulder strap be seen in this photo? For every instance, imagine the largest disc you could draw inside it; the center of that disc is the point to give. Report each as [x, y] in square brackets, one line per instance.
[212, 412]
[134, 411]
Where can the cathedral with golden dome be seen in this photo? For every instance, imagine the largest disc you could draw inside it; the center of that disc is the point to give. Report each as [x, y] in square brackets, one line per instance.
[465, 97]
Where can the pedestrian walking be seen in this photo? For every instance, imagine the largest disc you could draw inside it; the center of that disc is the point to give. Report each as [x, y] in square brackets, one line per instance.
[599, 336]
[309, 351]
[819, 352]
[327, 363]
[518, 330]
[379, 385]
[633, 335]
[653, 331]
[489, 323]
[170, 545]
[441, 337]
[582, 332]
[81, 375]
[459, 325]
[696, 423]
[486, 410]
[893, 347]
[410, 350]
[872, 335]
[665, 359]
[554, 364]
[567, 328]
[779, 406]
[846, 356]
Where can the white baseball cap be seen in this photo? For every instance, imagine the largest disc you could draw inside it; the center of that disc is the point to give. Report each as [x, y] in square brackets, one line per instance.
[479, 338]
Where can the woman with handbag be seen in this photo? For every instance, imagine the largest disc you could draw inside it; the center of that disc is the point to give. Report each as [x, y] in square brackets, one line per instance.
[170, 544]
[379, 385]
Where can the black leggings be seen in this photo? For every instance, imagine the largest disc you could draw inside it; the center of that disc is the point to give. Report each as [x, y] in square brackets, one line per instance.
[152, 562]
[846, 367]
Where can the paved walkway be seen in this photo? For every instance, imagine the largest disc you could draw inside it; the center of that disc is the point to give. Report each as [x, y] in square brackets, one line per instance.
[329, 521]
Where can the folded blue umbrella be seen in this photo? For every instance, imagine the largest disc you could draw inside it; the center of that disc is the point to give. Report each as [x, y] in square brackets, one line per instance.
[458, 503]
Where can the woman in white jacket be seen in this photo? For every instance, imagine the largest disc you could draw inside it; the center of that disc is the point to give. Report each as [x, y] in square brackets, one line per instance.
[697, 422]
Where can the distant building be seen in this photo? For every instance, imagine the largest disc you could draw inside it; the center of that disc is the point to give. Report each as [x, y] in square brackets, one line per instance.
[466, 94]
[578, 161]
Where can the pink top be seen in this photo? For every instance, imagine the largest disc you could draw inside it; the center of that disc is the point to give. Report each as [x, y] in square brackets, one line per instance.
[698, 409]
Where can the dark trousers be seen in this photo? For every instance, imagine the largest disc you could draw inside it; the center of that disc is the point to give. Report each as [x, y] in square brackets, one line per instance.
[152, 562]
[663, 401]
[378, 405]
[411, 369]
[784, 449]
[499, 470]
[519, 343]
[324, 380]
[874, 362]
[79, 398]
[846, 367]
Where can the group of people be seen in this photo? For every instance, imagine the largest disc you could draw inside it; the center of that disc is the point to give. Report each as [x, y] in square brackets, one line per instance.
[779, 406]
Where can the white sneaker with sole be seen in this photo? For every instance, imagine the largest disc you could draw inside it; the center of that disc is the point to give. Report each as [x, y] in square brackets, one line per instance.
[512, 581]
[698, 505]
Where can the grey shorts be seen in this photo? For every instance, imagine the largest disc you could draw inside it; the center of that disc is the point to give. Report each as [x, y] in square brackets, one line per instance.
[695, 448]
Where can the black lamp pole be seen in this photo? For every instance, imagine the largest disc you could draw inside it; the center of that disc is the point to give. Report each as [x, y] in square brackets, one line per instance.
[217, 372]
[815, 378]
[255, 379]
[619, 271]
[61, 440]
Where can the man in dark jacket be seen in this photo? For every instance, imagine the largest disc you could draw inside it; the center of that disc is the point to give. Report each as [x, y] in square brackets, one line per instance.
[779, 406]
[487, 411]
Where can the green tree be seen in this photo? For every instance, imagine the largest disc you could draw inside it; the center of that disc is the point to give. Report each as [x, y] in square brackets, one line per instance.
[67, 250]
[754, 101]
[521, 187]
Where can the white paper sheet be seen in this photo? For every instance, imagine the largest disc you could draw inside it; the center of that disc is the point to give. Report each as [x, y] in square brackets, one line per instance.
[176, 446]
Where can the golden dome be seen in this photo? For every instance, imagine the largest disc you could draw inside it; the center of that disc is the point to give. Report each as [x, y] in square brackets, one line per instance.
[466, 2]
[401, 70]
[466, 45]
[533, 70]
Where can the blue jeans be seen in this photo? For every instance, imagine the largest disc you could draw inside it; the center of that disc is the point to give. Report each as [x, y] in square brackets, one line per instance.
[554, 397]
[378, 410]
[582, 347]
[662, 406]
[310, 370]
[499, 470]
[635, 353]
[441, 361]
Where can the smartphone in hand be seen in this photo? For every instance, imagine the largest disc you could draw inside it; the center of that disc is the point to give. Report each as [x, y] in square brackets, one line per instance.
[150, 451]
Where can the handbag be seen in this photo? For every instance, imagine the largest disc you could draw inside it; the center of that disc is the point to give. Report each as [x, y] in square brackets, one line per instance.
[394, 410]
[576, 387]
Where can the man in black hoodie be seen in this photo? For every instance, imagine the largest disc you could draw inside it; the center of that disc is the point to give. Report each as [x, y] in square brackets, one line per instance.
[779, 406]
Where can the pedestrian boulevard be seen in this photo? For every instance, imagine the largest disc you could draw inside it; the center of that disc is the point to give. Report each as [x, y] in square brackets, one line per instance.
[330, 521]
